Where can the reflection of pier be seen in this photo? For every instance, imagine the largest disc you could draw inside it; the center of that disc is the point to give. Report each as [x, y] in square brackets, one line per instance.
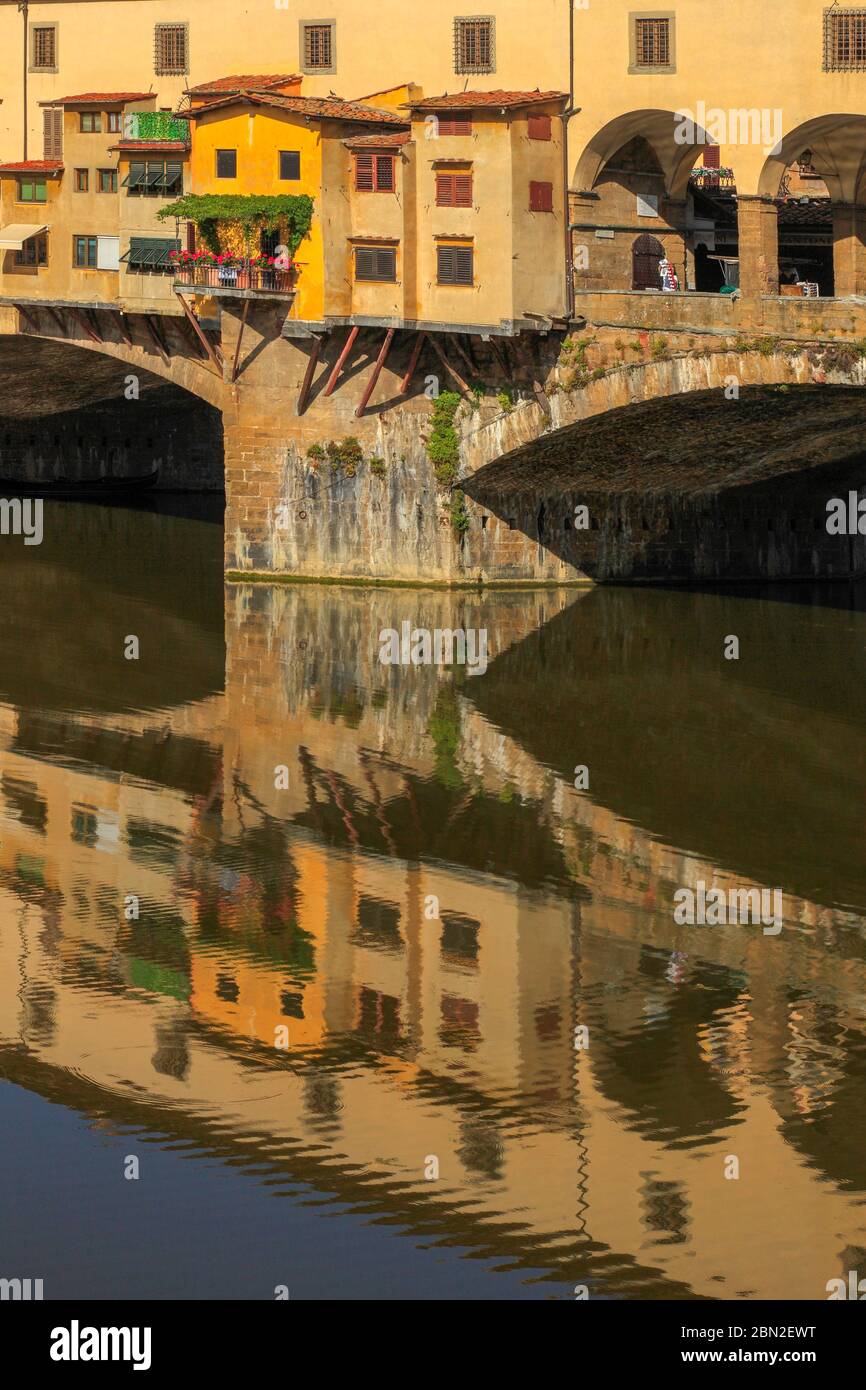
[304, 908]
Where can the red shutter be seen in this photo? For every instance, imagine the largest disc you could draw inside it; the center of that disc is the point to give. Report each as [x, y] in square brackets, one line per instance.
[463, 190]
[364, 180]
[540, 128]
[445, 190]
[455, 125]
[541, 197]
[712, 157]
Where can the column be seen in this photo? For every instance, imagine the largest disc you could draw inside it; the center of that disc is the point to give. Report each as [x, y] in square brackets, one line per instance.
[759, 246]
[849, 253]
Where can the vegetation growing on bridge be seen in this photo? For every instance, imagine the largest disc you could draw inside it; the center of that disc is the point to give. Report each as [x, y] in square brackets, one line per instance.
[443, 444]
[208, 210]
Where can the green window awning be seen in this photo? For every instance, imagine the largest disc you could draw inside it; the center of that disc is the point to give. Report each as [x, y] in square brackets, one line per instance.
[150, 253]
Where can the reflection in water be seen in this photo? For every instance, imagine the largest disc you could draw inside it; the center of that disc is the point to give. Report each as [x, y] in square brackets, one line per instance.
[258, 833]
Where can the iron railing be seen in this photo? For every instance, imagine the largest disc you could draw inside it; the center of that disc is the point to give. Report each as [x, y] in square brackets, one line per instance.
[242, 276]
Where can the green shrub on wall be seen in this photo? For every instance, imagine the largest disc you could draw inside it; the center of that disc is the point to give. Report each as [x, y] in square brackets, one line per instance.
[207, 210]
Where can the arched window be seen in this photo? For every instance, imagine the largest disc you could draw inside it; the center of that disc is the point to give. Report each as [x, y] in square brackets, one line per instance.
[645, 256]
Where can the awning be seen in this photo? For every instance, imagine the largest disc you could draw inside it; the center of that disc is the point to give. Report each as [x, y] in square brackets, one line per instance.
[13, 237]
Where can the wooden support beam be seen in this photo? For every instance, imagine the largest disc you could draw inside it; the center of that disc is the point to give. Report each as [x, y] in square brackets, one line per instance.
[190, 338]
[308, 375]
[244, 316]
[79, 316]
[158, 340]
[56, 317]
[447, 365]
[457, 345]
[340, 362]
[406, 383]
[28, 317]
[498, 354]
[377, 371]
[94, 323]
[200, 335]
[123, 326]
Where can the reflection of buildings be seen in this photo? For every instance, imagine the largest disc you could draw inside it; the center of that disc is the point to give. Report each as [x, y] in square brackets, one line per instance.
[305, 908]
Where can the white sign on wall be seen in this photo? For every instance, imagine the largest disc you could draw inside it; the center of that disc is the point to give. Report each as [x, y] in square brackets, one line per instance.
[647, 205]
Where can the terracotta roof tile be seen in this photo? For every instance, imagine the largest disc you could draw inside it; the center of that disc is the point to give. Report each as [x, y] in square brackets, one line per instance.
[478, 101]
[243, 83]
[151, 147]
[33, 166]
[325, 108]
[389, 139]
[93, 98]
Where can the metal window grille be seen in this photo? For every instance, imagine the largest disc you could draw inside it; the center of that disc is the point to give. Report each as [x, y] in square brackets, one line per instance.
[45, 47]
[455, 265]
[376, 263]
[318, 46]
[652, 43]
[171, 49]
[844, 40]
[475, 44]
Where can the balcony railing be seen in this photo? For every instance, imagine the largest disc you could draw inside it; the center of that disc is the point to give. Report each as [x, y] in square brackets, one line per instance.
[237, 277]
[713, 179]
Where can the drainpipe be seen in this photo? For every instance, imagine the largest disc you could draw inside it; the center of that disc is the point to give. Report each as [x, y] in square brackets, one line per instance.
[23, 7]
[571, 110]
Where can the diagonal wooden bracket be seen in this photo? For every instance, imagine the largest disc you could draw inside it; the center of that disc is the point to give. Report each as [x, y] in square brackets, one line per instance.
[341, 360]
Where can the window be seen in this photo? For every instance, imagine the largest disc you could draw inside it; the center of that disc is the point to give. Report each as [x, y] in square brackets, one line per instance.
[226, 164]
[455, 265]
[319, 46]
[290, 164]
[455, 125]
[651, 43]
[115, 121]
[171, 49]
[52, 132]
[454, 190]
[32, 190]
[844, 40]
[33, 252]
[82, 180]
[152, 177]
[90, 122]
[541, 197]
[376, 263]
[107, 180]
[43, 48]
[374, 173]
[474, 44]
[150, 254]
[84, 253]
[540, 128]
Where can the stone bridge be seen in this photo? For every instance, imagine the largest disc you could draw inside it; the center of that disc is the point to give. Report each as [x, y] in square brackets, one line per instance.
[700, 438]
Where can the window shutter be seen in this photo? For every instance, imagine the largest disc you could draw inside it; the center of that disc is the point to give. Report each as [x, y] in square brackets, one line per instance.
[712, 156]
[385, 173]
[444, 190]
[541, 197]
[539, 128]
[52, 132]
[455, 125]
[463, 190]
[364, 181]
[455, 265]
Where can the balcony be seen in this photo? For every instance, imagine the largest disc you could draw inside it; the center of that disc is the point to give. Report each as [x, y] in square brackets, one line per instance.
[238, 277]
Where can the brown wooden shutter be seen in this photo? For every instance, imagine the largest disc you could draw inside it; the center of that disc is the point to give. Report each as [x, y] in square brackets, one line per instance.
[455, 125]
[541, 197]
[364, 179]
[463, 190]
[445, 190]
[540, 128]
[712, 157]
[385, 173]
[52, 132]
[455, 265]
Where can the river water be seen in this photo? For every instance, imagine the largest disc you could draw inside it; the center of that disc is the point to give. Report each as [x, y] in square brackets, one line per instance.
[322, 974]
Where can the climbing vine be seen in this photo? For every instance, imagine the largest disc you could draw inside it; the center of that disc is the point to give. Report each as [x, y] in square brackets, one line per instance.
[207, 210]
[443, 445]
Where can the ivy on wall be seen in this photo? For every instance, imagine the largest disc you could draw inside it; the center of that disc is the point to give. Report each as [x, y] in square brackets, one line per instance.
[208, 210]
